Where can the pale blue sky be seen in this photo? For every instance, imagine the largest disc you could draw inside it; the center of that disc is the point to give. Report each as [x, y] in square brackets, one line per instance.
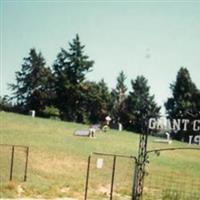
[153, 38]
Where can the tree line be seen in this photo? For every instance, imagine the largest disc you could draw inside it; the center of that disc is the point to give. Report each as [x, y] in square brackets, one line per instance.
[63, 91]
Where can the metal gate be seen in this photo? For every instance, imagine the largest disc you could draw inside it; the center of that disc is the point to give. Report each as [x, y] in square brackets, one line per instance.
[115, 174]
[13, 162]
[167, 183]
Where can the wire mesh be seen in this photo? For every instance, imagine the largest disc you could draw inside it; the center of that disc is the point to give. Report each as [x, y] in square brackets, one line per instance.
[19, 163]
[5, 161]
[101, 177]
[174, 179]
[125, 168]
[12, 162]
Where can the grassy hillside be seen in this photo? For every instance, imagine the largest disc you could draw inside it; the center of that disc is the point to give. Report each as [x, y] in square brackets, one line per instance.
[58, 160]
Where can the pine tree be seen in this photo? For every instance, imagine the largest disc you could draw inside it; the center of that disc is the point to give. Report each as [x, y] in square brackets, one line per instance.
[121, 87]
[31, 90]
[105, 99]
[118, 97]
[183, 91]
[184, 103]
[70, 69]
[140, 105]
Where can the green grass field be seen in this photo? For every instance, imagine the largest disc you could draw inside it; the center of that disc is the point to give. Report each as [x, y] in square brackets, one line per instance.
[58, 162]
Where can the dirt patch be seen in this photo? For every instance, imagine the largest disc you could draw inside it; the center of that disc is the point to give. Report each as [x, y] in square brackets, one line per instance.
[104, 190]
[20, 190]
[64, 190]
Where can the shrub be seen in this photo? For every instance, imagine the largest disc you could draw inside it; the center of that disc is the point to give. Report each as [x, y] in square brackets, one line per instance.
[51, 112]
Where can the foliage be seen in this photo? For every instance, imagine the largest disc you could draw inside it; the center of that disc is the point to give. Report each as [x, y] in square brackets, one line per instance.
[118, 96]
[5, 104]
[185, 100]
[66, 89]
[139, 105]
[70, 69]
[31, 90]
[183, 91]
[51, 112]
[97, 101]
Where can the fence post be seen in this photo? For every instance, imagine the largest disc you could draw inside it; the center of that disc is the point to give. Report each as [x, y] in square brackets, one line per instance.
[113, 177]
[26, 164]
[141, 162]
[12, 162]
[134, 189]
[87, 177]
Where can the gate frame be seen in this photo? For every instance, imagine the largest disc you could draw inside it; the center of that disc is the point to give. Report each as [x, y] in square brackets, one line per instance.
[140, 165]
[138, 180]
[140, 162]
[142, 159]
[13, 147]
[171, 149]
[113, 170]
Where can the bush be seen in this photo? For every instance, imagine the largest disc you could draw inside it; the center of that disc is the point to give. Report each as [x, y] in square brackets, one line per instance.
[5, 104]
[51, 112]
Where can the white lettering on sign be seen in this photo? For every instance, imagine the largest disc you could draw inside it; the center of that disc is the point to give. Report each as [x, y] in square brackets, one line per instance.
[195, 138]
[196, 125]
[185, 124]
[174, 124]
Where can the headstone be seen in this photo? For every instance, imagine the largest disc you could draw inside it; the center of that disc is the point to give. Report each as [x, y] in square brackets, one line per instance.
[120, 127]
[97, 127]
[92, 132]
[32, 113]
[82, 133]
[168, 141]
[108, 119]
[168, 136]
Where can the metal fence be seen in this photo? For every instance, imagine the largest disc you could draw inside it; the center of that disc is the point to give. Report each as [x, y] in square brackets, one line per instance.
[171, 182]
[13, 162]
[109, 176]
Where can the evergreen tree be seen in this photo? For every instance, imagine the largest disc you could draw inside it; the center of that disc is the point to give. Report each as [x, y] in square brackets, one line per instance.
[121, 87]
[183, 91]
[5, 104]
[31, 90]
[139, 106]
[184, 103]
[70, 69]
[97, 100]
[118, 97]
[105, 99]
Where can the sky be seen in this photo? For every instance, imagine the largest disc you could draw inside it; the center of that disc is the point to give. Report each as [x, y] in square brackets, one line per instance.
[150, 38]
